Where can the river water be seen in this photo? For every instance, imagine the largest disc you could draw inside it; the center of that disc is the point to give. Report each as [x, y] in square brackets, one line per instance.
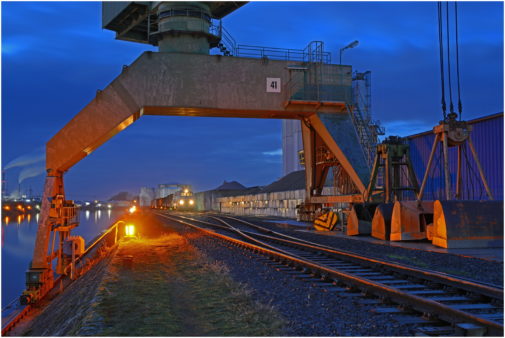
[18, 241]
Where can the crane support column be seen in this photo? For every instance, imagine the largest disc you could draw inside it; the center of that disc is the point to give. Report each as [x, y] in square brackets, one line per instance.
[52, 188]
[39, 277]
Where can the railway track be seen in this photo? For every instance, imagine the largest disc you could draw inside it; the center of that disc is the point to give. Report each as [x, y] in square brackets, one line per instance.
[443, 304]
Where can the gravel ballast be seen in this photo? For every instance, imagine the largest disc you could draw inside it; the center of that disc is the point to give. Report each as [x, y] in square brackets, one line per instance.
[478, 269]
[309, 310]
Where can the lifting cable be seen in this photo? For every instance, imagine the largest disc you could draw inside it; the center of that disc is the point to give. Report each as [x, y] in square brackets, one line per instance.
[460, 106]
[442, 61]
[441, 49]
[447, 32]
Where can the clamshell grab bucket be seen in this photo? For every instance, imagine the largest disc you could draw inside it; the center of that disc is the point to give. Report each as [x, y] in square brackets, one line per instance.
[409, 220]
[359, 220]
[468, 224]
[381, 223]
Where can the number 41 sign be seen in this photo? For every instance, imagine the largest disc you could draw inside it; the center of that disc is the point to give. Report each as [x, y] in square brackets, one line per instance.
[273, 85]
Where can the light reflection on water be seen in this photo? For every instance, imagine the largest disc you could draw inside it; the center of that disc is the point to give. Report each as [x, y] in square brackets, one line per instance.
[18, 241]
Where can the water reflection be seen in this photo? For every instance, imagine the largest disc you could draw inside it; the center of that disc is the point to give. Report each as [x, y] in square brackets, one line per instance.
[18, 243]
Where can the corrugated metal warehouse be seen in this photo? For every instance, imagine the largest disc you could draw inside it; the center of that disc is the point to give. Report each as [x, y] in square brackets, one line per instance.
[487, 136]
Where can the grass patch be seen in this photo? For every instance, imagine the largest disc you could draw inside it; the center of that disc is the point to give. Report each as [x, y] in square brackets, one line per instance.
[173, 290]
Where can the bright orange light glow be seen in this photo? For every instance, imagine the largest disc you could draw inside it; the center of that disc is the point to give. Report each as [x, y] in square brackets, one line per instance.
[7, 207]
[129, 230]
[19, 219]
[181, 202]
[7, 219]
[191, 202]
[29, 207]
[20, 207]
[133, 209]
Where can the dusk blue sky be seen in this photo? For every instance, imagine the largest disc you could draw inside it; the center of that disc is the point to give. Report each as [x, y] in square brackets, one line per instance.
[56, 55]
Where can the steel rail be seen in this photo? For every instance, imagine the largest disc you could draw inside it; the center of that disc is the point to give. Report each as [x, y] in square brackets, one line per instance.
[423, 274]
[423, 305]
[465, 284]
[433, 276]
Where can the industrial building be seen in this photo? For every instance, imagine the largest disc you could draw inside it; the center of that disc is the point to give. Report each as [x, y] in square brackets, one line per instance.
[487, 136]
[283, 196]
[147, 195]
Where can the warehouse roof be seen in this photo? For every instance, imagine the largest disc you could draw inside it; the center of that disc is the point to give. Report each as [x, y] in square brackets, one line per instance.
[292, 181]
[233, 185]
[479, 119]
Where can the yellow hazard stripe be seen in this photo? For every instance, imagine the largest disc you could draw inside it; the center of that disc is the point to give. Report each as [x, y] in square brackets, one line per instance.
[326, 221]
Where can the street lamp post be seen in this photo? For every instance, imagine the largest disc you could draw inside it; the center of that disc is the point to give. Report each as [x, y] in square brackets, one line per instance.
[353, 44]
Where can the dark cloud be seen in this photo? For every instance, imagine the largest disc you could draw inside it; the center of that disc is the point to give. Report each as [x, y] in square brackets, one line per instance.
[55, 56]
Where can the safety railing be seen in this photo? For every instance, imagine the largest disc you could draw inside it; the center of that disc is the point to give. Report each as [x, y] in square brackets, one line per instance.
[108, 237]
[99, 244]
[273, 53]
[227, 40]
[207, 25]
[70, 215]
[188, 12]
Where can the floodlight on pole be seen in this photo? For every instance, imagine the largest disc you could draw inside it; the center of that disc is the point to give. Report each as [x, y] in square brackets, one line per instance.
[353, 44]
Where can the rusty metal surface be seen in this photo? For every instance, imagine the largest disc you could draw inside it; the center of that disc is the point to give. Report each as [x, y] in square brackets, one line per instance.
[381, 222]
[52, 187]
[337, 199]
[14, 317]
[340, 131]
[468, 224]
[359, 220]
[354, 164]
[409, 220]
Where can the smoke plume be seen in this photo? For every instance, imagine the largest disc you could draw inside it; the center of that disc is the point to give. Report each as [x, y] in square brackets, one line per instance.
[31, 172]
[28, 159]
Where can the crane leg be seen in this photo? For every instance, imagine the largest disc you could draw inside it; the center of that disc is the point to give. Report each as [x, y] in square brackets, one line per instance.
[39, 277]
